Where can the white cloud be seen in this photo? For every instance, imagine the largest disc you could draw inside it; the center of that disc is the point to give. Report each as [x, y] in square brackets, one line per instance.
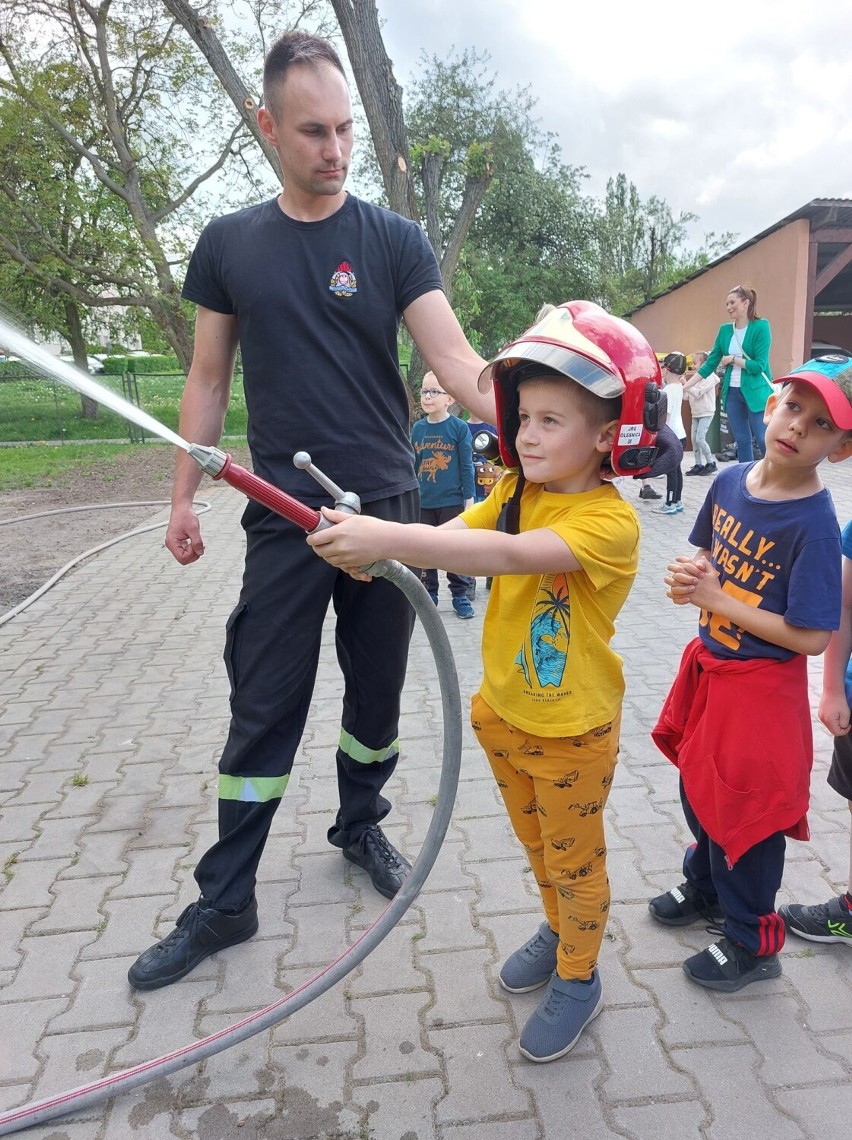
[739, 115]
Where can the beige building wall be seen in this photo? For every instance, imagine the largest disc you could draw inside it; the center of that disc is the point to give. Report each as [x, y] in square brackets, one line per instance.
[688, 318]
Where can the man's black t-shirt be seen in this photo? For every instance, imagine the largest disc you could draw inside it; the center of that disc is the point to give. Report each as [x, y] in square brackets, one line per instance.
[318, 306]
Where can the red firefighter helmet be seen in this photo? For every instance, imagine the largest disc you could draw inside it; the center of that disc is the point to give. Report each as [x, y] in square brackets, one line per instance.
[603, 353]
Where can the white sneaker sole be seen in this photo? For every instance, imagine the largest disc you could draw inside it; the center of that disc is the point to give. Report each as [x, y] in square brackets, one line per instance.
[570, 1045]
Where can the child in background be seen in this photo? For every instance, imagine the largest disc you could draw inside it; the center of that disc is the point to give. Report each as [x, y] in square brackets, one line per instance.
[736, 722]
[444, 465]
[673, 368]
[483, 485]
[701, 393]
[832, 921]
[563, 548]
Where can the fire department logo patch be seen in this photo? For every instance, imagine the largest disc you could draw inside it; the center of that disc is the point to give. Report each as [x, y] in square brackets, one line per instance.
[343, 283]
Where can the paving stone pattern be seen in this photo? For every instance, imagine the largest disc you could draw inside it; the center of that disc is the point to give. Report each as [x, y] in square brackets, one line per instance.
[113, 704]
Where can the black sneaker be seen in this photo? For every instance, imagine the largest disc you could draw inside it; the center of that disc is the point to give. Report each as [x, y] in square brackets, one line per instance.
[373, 851]
[696, 470]
[684, 904]
[825, 922]
[708, 469]
[200, 932]
[727, 966]
[649, 493]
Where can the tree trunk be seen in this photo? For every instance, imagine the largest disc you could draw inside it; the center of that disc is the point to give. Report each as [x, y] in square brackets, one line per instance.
[168, 312]
[431, 171]
[88, 407]
[474, 191]
[211, 48]
[381, 96]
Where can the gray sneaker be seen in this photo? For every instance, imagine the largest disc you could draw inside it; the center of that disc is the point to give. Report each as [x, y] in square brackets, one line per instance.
[532, 966]
[555, 1027]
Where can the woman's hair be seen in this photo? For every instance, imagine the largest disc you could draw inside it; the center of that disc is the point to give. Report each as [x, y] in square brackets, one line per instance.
[750, 295]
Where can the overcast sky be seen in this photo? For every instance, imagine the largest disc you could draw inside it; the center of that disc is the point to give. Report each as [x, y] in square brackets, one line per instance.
[737, 113]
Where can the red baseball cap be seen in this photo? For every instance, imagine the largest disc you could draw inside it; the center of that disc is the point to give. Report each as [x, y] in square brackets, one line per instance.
[822, 373]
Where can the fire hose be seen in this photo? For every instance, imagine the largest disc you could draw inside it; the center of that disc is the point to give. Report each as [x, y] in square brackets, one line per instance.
[220, 466]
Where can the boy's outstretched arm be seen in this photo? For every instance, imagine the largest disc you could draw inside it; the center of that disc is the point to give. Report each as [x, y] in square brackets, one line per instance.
[358, 540]
[834, 705]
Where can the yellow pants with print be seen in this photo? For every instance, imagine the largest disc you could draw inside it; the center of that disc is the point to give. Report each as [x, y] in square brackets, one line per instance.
[555, 789]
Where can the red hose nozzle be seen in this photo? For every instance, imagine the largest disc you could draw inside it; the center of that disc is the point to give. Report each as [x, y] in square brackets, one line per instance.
[220, 465]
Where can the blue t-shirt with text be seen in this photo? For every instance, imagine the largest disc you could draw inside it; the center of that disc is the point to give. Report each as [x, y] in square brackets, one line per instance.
[782, 556]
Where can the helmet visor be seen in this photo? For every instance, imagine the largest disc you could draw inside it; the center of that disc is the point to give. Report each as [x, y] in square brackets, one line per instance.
[556, 343]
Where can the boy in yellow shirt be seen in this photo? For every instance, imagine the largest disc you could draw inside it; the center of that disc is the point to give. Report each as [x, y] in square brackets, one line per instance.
[578, 390]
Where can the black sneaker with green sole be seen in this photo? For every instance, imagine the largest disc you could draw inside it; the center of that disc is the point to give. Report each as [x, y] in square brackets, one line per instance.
[824, 922]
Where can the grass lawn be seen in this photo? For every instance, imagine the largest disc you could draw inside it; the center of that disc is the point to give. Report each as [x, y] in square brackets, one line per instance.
[46, 465]
[34, 410]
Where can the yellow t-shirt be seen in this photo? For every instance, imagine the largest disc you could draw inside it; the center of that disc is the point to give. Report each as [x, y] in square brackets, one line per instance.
[548, 665]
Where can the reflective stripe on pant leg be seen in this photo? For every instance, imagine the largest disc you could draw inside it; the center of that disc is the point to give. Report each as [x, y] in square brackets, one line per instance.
[252, 789]
[374, 625]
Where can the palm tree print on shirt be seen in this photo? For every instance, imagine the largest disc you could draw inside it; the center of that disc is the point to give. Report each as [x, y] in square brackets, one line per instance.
[543, 655]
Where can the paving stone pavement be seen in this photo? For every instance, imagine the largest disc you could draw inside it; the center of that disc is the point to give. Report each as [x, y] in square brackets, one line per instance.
[113, 706]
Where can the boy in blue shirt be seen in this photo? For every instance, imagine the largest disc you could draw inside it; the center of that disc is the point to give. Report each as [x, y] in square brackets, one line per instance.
[737, 723]
[832, 921]
[443, 457]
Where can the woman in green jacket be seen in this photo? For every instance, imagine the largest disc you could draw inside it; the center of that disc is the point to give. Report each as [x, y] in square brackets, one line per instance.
[742, 349]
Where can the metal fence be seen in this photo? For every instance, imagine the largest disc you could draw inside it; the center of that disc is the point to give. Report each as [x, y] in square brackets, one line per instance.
[35, 408]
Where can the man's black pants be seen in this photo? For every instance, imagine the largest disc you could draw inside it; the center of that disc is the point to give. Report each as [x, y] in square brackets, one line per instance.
[272, 651]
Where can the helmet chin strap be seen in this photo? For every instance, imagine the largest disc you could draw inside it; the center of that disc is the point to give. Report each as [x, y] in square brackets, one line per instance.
[509, 521]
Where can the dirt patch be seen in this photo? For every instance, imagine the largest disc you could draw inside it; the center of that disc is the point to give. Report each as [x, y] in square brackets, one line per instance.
[33, 549]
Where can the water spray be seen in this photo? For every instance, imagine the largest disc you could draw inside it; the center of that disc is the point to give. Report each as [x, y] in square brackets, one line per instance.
[219, 465]
[17, 343]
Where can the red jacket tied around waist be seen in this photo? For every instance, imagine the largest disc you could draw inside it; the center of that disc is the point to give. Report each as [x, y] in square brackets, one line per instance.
[740, 734]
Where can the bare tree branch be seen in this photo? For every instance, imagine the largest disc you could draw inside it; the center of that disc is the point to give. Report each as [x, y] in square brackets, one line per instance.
[211, 48]
[189, 190]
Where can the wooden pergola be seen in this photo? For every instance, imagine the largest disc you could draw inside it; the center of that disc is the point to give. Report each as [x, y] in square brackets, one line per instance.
[829, 259]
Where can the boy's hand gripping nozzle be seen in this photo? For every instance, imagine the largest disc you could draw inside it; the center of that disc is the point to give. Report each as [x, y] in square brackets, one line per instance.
[219, 465]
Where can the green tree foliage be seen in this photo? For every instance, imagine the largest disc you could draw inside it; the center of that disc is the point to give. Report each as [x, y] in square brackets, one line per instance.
[529, 241]
[538, 235]
[640, 247]
[112, 126]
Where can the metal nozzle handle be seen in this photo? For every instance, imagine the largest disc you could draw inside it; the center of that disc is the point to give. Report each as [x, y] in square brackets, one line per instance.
[343, 500]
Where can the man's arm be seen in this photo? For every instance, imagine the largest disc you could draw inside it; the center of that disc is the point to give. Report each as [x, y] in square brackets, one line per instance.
[439, 336]
[357, 541]
[202, 416]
